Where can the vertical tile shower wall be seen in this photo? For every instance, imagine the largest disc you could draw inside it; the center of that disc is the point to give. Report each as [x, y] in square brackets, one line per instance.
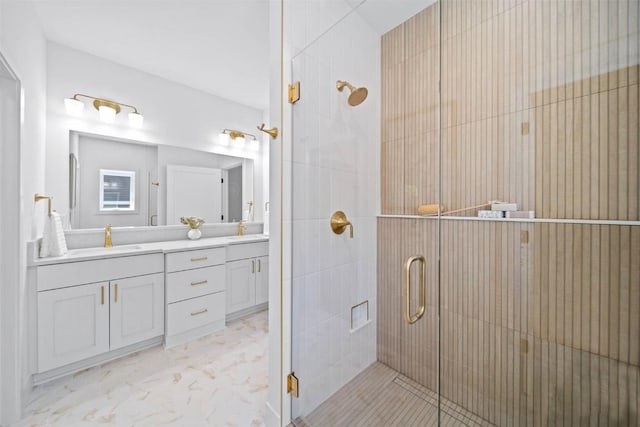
[540, 321]
[335, 166]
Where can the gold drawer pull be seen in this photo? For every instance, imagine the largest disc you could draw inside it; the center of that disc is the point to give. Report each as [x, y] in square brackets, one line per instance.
[195, 313]
[201, 282]
[204, 258]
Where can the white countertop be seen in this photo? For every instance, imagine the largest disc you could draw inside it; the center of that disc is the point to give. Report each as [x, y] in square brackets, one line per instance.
[86, 254]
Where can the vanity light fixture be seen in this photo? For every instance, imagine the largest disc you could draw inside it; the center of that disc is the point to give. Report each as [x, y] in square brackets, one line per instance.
[239, 138]
[107, 109]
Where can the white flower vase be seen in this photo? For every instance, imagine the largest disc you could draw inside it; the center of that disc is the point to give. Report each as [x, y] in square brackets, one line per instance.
[194, 234]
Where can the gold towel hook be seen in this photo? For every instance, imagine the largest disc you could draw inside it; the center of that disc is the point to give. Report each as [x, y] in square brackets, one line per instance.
[39, 197]
[273, 131]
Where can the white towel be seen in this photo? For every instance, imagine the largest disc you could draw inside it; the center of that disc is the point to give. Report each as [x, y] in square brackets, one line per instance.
[53, 241]
[265, 222]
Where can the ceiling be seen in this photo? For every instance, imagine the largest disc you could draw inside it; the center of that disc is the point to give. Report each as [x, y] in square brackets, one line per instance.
[217, 46]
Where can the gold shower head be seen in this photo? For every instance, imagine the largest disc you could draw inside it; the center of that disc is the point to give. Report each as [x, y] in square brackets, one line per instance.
[357, 96]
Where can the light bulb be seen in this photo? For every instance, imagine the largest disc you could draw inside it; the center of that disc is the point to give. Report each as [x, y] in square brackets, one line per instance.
[254, 145]
[223, 139]
[107, 114]
[136, 120]
[239, 141]
[74, 107]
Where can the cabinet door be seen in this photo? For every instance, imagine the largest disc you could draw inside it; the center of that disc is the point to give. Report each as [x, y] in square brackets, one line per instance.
[73, 324]
[137, 309]
[241, 290]
[262, 280]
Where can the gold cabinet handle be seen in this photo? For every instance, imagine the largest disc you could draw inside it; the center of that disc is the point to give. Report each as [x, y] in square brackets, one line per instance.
[204, 258]
[115, 293]
[203, 311]
[408, 317]
[201, 282]
[253, 266]
[102, 295]
[259, 266]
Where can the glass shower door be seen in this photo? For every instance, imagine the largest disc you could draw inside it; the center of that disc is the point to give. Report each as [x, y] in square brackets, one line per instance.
[334, 167]
[540, 306]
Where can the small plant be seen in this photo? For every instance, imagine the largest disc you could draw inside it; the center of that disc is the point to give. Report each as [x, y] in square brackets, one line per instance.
[193, 222]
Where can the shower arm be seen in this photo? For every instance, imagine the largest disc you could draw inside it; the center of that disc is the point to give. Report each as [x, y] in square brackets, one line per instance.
[340, 85]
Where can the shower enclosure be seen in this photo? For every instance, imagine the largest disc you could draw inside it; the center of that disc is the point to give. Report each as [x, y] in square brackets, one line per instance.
[531, 318]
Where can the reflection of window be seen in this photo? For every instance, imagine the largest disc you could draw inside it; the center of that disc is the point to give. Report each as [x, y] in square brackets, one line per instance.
[117, 190]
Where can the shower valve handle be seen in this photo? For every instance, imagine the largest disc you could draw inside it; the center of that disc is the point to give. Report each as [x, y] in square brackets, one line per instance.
[339, 222]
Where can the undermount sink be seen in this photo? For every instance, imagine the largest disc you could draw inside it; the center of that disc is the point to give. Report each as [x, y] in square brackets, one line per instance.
[105, 251]
[247, 237]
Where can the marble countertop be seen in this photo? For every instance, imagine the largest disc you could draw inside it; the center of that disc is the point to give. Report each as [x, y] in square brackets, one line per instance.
[86, 254]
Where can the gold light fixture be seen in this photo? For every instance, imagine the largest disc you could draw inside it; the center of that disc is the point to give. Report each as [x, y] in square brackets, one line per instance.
[239, 138]
[107, 109]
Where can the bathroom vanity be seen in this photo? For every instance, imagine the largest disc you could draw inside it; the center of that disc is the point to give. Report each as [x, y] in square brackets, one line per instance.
[97, 304]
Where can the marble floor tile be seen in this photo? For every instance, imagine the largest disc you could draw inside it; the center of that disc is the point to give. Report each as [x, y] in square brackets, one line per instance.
[218, 380]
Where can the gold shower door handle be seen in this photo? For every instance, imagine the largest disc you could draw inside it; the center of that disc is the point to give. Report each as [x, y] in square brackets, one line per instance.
[406, 279]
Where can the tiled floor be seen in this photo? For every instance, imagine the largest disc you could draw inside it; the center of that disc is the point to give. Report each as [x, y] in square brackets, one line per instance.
[381, 397]
[219, 380]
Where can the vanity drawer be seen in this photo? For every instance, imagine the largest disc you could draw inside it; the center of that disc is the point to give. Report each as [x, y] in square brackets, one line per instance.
[187, 260]
[101, 270]
[196, 312]
[193, 283]
[247, 250]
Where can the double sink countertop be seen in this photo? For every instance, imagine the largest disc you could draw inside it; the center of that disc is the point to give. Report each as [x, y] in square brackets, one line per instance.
[86, 254]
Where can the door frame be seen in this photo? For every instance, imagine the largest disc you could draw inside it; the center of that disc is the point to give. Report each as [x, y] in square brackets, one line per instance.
[10, 247]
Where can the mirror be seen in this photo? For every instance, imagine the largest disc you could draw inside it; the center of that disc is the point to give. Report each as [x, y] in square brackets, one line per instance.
[130, 183]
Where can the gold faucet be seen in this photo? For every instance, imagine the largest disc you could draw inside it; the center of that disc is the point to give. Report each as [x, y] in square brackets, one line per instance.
[107, 236]
[241, 228]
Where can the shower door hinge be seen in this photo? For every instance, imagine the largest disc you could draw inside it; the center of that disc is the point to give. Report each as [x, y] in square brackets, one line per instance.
[294, 92]
[292, 384]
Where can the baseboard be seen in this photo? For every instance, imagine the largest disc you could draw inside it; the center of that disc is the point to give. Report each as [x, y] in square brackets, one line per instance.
[193, 334]
[63, 371]
[247, 311]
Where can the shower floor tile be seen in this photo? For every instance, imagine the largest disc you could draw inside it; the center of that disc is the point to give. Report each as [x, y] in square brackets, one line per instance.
[380, 396]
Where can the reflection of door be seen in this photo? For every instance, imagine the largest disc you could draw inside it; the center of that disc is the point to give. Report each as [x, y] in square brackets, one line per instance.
[235, 194]
[193, 191]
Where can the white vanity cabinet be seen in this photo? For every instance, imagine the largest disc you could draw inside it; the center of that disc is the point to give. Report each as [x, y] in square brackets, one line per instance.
[136, 309]
[90, 308]
[195, 289]
[247, 277]
[73, 324]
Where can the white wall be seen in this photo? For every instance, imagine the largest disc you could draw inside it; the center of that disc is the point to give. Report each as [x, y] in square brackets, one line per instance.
[174, 114]
[23, 46]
